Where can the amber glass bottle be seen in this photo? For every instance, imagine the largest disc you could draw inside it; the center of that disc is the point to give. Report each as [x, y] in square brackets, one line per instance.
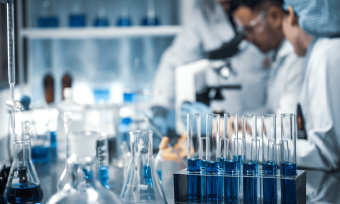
[67, 82]
[49, 87]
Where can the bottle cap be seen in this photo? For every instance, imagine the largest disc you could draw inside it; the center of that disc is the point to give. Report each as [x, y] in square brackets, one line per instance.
[68, 93]
[83, 144]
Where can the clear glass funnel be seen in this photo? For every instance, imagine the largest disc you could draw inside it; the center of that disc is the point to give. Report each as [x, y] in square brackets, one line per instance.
[142, 184]
[23, 185]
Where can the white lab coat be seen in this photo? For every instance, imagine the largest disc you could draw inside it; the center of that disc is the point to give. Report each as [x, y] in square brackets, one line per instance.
[208, 30]
[320, 103]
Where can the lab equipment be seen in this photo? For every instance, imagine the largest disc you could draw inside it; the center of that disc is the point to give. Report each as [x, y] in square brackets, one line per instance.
[103, 158]
[269, 165]
[204, 158]
[76, 115]
[214, 189]
[319, 18]
[232, 157]
[4, 173]
[288, 156]
[196, 107]
[23, 185]
[194, 156]
[47, 20]
[124, 19]
[159, 159]
[49, 87]
[67, 82]
[151, 19]
[143, 184]
[101, 20]
[77, 17]
[251, 158]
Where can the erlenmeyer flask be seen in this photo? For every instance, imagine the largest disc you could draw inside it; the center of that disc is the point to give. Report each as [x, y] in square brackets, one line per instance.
[143, 184]
[23, 185]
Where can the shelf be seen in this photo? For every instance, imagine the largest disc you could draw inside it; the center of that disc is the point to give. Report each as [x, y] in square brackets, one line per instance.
[110, 32]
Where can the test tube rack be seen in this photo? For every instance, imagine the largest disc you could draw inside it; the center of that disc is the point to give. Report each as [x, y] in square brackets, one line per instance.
[290, 188]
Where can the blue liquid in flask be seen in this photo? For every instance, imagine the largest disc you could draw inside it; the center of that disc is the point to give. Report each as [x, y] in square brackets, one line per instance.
[27, 193]
[249, 183]
[194, 181]
[231, 183]
[269, 184]
[288, 193]
[104, 176]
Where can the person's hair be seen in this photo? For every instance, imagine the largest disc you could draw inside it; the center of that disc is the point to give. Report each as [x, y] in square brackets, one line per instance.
[254, 4]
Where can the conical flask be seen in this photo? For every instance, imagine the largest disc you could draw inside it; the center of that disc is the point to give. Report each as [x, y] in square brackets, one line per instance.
[23, 185]
[142, 184]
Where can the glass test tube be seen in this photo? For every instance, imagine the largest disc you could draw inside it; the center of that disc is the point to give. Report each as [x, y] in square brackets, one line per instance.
[103, 158]
[250, 164]
[288, 140]
[288, 157]
[214, 184]
[204, 156]
[194, 159]
[269, 165]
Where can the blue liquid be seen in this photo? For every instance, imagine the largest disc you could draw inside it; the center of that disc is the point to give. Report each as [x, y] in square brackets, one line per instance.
[203, 186]
[88, 174]
[194, 182]
[41, 155]
[250, 184]
[269, 184]
[288, 169]
[123, 22]
[221, 163]
[150, 21]
[47, 22]
[77, 20]
[101, 22]
[288, 188]
[27, 193]
[231, 183]
[54, 154]
[194, 164]
[239, 160]
[214, 183]
[104, 176]
[160, 174]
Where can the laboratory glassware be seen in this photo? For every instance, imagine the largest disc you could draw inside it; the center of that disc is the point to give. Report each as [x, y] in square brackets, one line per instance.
[101, 20]
[214, 188]
[251, 158]
[159, 159]
[288, 157]
[77, 18]
[204, 151]
[103, 158]
[46, 20]
[143, 184]
[194, 156]
[151, 19]
[66, 82]
[23, 185]
[40, 141]
[124, 19]
[232, 157]
[49, 87]
[4, 173]
[269, 166]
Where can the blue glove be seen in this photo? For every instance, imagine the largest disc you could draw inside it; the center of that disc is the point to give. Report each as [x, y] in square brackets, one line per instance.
[196, 107]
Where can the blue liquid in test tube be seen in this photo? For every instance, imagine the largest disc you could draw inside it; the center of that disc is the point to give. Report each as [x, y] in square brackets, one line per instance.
[231, 183]
[194, 181]
[269, 184]
[288, 193]
[214, 183]
[249, 183]
[104, 176]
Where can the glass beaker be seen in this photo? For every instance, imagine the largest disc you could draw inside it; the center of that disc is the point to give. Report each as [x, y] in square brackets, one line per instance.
[23, 185]
[41, 142]
[143, 184]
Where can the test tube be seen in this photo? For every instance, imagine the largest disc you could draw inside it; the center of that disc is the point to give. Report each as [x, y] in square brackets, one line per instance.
[193, 140]
[204, 156]
[103, 158]
[214, 188]
[194, 160]
[288, 140]
[288, 157]
[269, 167]
[250, 164]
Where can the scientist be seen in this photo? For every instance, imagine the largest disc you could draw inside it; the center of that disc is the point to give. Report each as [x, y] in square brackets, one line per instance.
[313, 27]
[262, 22]
[211, 26]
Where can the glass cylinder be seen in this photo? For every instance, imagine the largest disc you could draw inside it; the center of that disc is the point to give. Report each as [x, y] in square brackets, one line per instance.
[103, 158]
[213, 134]
[288, 142]
[193, 141]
